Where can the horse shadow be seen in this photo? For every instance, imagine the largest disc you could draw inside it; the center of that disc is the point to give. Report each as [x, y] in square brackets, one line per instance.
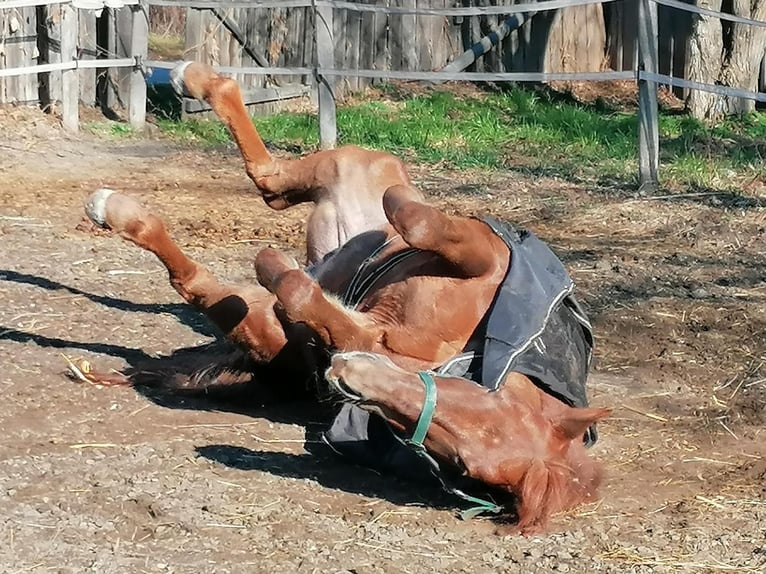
[331, 471]
[183, 313]
[252, 396]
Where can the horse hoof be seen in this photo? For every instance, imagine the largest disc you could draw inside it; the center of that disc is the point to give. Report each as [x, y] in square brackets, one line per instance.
[95, 207]
[177, 79]
[191, 79]
[111, 210]
[270, 265]
[297, 293]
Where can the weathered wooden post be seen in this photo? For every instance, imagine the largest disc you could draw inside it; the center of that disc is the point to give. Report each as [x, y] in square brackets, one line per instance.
[648, 122]
[70, 79]
[325, 49]
[139, 49]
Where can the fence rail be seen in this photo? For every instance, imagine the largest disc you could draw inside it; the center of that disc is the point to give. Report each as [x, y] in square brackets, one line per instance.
[324, 72]
[71, 65]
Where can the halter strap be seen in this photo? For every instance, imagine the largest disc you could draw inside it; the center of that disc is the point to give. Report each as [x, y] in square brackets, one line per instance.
[427, 413]
[421, 429]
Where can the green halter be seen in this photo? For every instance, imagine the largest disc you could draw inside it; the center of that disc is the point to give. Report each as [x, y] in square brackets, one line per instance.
[421, 429]
[427, 413]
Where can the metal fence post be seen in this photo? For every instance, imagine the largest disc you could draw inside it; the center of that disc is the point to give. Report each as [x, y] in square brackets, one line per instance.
[139, 49]
[70, 79]
[325, 49]
[648, 121]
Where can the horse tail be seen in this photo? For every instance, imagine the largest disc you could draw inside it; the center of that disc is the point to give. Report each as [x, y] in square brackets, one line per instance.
[213, 369]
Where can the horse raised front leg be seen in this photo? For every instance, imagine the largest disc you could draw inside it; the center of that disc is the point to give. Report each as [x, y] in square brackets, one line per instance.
[467, 243]
[245, 315]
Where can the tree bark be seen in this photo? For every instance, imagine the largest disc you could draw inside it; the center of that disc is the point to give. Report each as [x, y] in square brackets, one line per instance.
[725, 53]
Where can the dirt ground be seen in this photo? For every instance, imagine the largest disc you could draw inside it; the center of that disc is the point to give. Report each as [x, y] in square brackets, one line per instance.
[109, 480]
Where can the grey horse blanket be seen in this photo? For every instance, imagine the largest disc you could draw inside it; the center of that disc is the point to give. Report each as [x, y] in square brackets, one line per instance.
[534, 326]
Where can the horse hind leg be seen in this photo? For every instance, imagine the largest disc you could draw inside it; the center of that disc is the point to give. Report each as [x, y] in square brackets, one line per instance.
[245, 315]
[467, 243]
[224, 96]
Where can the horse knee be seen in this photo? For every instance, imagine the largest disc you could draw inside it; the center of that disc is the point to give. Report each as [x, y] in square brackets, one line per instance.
[413, 220]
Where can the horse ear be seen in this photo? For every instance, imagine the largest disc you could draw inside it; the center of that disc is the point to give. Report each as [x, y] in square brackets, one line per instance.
[574, 422]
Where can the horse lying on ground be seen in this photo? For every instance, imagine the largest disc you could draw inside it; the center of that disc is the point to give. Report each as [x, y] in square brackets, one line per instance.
[422, 292]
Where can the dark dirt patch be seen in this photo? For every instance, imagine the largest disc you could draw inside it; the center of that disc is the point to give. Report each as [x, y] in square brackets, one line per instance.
[109, 480]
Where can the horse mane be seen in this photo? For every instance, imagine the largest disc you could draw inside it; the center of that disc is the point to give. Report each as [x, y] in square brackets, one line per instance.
[552, 485]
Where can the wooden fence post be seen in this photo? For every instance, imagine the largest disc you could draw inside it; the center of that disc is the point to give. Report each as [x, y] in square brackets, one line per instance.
[325, 50]
[70, 84]
[139, 49]
[648, 121]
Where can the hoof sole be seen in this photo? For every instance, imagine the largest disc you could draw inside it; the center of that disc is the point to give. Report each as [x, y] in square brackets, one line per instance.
[95, 207]
[177, 79]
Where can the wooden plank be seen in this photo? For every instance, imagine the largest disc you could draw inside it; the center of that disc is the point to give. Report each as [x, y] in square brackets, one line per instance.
[309, 48]
[253, 96]
[48, 18]
[120, 22]
[260, 32]
[353, 45]
[88, 51]
[682, 27]
[234, 29]
[292, 51]
[409, 39]
[396, 38]
[433, 48]
[648, 127]
[381, 38]
[277, 40]
[367, 45]
[70, 85]
[614, 17]
[491, 62]
[18, 48]
[328, 130]
[474, 35]
[193, 35]
[139, 48]
[629, 39]
[339, 51]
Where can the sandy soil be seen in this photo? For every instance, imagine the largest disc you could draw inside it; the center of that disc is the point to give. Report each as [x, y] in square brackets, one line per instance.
[109, 480]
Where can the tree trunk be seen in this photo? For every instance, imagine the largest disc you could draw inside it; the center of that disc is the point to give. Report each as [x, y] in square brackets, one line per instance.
[725, 53]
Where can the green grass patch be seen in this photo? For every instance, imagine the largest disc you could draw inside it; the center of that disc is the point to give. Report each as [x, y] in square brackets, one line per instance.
[520, 129]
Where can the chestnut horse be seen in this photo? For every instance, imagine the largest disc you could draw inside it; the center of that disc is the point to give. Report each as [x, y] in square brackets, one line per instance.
[414, 290]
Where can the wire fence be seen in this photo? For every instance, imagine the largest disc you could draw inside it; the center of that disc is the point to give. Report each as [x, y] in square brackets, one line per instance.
[324, 72]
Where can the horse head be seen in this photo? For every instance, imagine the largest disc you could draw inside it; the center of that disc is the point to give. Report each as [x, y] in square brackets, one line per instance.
[517, 438]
